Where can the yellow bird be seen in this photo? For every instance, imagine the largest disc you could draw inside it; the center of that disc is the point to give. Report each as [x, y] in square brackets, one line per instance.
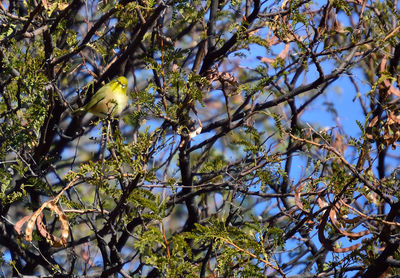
[109, 100]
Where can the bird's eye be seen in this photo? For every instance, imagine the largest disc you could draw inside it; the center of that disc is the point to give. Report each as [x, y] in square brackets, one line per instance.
[123, 86]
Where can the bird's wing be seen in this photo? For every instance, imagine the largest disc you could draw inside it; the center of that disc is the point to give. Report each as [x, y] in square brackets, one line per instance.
[97, 97]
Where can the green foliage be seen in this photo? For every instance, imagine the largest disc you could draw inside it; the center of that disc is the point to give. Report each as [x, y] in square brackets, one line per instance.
[222, 165]
[343, 5]
[249, 138]
[173, 260]
[128, 15]
[236, 245]
[269, 177]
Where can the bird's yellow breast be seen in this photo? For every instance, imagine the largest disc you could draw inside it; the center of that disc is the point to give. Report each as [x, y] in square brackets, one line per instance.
[112, 104]
[109, 100]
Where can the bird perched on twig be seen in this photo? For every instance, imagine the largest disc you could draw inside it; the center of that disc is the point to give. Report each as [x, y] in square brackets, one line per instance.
[109, 100]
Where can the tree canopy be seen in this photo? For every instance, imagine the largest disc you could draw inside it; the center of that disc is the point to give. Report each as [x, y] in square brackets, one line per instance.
[259, 140]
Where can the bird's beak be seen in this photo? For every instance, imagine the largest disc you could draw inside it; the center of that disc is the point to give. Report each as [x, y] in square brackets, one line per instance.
[122, 85]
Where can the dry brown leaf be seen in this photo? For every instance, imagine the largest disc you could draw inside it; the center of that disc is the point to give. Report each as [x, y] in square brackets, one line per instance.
[346, 219]
[64, 225]
[393, 90]
[382, 65]
[285, 51]
[281, 55]
[37, 218]
[330, 214]
[373, 121]
[31, 223]
[43, 231]
[338, 227]
[20, 223]
[297, 198]
[387, 84]
[266, 60]
[33, 218]
[41, 226]
[393, 119]
[326, 243]
[273, 40]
